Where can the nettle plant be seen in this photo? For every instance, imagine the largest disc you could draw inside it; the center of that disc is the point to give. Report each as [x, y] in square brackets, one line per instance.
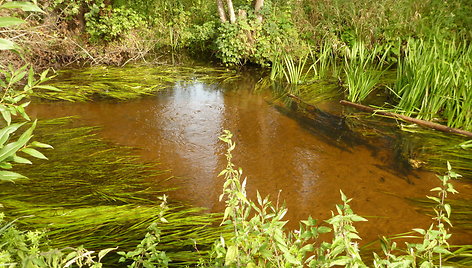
[258, 237]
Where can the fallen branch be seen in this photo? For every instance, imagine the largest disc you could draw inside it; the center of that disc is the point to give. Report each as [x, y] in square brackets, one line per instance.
[408, 119]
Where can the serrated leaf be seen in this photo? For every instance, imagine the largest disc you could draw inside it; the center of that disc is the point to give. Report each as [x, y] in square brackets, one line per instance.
[231, 255]
[10, 21]
[34, 153]
[324, 229]
[447, 207]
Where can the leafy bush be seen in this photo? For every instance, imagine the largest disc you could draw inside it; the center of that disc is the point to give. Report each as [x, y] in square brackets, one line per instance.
[116, 23]
[249, 40]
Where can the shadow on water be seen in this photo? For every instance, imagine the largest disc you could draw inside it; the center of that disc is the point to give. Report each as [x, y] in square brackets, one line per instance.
[308, 156]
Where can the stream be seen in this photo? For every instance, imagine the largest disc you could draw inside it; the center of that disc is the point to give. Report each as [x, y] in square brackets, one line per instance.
[280, 155]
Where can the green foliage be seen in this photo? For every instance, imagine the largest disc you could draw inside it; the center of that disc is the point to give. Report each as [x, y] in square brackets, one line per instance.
[24, 248]
[146, 253]
[434, 247]
[433, 80]
[8, 21]
[362, 70]
[69, 9]
[27, 249]
[259, 239]
[115, 24]
[16, 85]
[248, 40]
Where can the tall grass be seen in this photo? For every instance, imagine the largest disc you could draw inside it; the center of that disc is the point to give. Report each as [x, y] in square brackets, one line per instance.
[362, 70]
[294, 70]
[434, 80]
[324, 61]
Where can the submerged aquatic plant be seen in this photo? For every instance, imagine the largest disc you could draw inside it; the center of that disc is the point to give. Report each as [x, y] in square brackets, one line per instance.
[97, 194]
[124, 83]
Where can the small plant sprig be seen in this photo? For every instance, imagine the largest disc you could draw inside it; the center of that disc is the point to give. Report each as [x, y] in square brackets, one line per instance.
[343, 250]
[430, 252]
[258, 238]
[146, 253]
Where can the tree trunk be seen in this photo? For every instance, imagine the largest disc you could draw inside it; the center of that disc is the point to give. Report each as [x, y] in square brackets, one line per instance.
[232, 16]
[257, 7]
[221, 10]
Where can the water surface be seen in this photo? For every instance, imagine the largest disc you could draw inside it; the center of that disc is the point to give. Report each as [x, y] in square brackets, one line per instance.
[281, 156]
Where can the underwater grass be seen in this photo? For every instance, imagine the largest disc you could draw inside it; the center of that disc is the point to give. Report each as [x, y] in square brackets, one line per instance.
[99, 195]
[124, 83]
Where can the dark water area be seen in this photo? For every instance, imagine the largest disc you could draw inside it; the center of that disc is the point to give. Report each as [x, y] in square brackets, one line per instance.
[280, 154]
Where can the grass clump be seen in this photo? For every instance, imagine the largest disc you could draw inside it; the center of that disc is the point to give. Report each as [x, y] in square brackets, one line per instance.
[362, 70]
[433, 81]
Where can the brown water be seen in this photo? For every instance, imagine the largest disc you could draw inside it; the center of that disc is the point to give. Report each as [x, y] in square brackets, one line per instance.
[180, 129]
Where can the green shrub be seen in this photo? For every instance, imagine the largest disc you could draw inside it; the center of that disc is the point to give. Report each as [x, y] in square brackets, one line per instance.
[114, 24]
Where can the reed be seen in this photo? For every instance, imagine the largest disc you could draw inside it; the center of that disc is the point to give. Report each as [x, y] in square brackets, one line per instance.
[295, 70]
[324, 64]
[362, 70]
[434, 80]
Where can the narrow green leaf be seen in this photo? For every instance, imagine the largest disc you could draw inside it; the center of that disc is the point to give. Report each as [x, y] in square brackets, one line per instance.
[6, 131]
[51, 88]
[25, 6]
[9, 175]
[21, 160]
[104, 252]
[6, 44]
[17, 77]
[34, 153]
[5, 165]
[10, 21]
[41, 145]
[357, 218]
[7, 116]
[447, 207]
[11, 148]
